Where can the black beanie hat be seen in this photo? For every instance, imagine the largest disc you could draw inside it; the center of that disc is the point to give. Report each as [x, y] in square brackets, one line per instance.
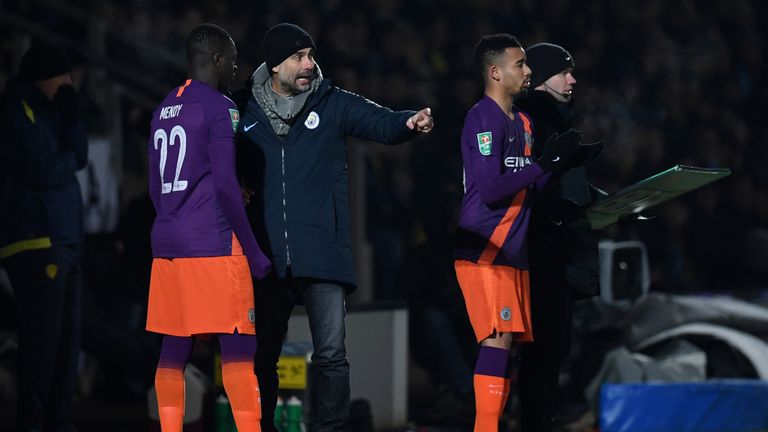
[547, 60]
[282, 40]
[44, 61]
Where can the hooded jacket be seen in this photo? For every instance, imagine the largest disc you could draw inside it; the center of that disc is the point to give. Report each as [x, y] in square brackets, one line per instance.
[300, 211]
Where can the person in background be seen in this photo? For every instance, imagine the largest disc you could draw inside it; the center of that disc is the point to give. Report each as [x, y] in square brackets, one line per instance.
[43, 144]
[563, 257]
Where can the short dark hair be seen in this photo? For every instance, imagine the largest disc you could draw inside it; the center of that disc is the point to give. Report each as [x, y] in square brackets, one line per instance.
[490, 47]
[206, 38]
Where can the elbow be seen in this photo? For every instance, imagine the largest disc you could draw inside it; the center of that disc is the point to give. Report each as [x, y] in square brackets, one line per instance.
[227, 193]
[221, 191]
[487, 193]
[490, 199]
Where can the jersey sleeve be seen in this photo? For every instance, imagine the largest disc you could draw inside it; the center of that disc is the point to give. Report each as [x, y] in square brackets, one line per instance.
[485, 137]
[221, 135]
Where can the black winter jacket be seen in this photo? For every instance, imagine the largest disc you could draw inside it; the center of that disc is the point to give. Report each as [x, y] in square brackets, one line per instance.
[40, 199]
[556, 246]
[301, 206]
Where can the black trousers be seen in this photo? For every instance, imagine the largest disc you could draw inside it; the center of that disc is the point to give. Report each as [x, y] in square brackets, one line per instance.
[552, 317]
[47, 285]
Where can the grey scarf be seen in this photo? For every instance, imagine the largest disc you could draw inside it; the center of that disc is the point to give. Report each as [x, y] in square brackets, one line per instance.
[281, 110]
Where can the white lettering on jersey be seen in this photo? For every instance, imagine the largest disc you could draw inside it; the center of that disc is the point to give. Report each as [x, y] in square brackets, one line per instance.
[170, 111]
[517, 162]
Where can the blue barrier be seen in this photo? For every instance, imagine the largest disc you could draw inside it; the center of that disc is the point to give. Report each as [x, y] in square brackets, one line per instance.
[710, 406]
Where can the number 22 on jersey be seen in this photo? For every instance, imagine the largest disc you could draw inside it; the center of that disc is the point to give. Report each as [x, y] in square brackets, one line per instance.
[162, 140]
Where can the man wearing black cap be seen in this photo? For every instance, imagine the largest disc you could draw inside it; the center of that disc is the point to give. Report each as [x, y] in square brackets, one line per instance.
[294, 155]
[43, 144]
[563, 258]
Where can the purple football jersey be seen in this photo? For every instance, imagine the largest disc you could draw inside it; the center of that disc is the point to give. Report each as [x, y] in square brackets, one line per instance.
[192, 179]
[499, 171]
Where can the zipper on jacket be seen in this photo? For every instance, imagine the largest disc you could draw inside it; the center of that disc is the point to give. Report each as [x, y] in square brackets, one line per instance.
[285, 211]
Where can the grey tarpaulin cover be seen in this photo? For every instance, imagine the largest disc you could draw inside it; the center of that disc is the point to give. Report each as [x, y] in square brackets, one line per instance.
[657, 312]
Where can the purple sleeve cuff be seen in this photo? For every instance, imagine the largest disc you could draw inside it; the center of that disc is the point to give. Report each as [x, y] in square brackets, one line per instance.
[542, 180]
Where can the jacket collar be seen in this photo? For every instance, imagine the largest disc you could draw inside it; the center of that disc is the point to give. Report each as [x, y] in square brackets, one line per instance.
[541, 105]
[317, 95]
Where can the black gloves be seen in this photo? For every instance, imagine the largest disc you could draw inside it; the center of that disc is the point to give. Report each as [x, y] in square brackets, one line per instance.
[559, 149]
[566, 151]
[585, 155]
[67, 103]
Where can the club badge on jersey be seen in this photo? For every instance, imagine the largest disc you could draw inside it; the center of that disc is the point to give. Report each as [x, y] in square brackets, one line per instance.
[313, 120]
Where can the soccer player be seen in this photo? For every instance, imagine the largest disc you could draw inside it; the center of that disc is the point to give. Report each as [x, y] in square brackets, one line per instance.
[490, 254]
[202, 243]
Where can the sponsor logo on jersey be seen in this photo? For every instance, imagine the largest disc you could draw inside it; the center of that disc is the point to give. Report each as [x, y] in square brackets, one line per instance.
[252, 316]
[517, 162]
[484, 140]
[506, 314]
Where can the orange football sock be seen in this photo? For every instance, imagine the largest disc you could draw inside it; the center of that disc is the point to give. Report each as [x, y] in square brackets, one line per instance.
[169, 384]
[242, 388]
[490, 395]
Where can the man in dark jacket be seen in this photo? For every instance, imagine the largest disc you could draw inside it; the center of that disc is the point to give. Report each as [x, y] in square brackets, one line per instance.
[43, 144]
[563, 257]
[293, 154]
